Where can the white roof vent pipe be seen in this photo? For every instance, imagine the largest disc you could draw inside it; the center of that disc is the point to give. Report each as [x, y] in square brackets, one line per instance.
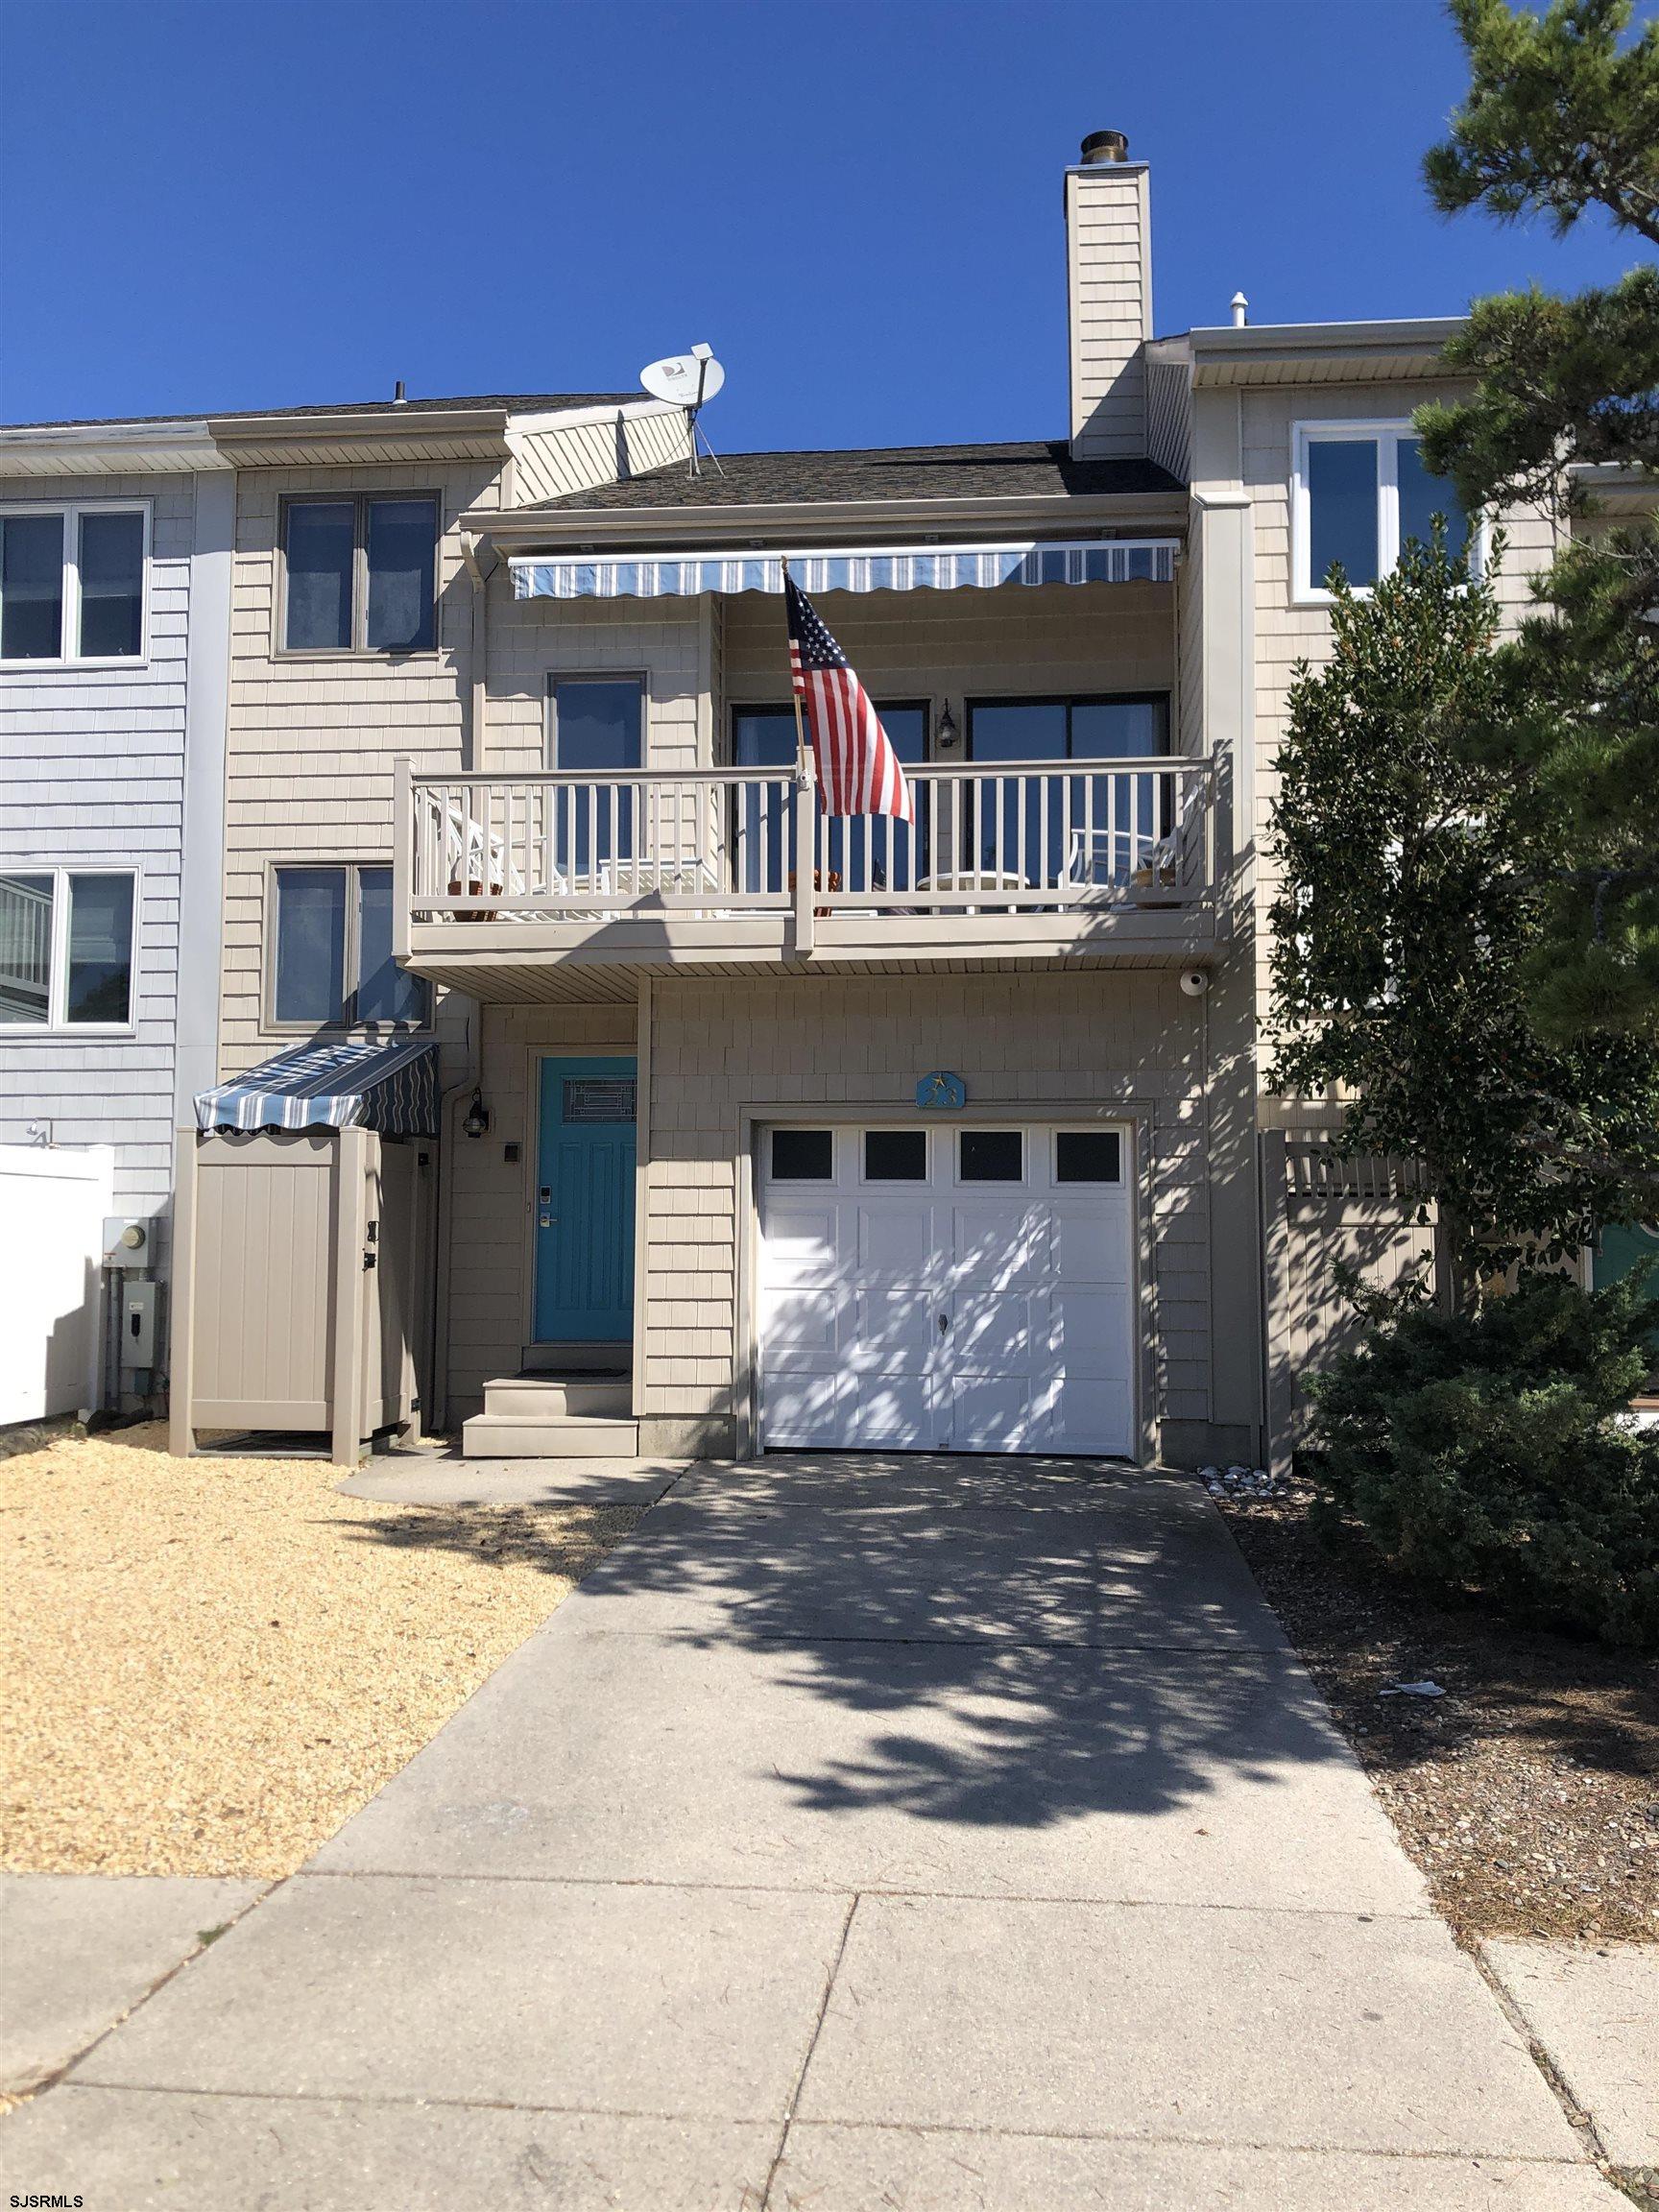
[1240, 310]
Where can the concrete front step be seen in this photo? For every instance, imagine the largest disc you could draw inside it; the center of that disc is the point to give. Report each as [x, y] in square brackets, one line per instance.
[593, 1397]
[548, 1436]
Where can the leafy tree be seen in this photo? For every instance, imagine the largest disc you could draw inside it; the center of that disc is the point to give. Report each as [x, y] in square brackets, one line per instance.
[1562, 118]
[1400, 925]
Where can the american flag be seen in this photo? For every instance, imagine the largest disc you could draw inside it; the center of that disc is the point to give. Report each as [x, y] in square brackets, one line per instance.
[858, 771]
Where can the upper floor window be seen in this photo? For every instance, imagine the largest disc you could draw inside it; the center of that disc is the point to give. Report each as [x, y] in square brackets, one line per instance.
[331, 963]
[66, 949]
[360, 575]
[72, 582]
[1361, 490]
[598, 724]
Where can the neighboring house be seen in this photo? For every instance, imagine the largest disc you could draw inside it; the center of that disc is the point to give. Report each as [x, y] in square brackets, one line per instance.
[114, 630]
[150, 734]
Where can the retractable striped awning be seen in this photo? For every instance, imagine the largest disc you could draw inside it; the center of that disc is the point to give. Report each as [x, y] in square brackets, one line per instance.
[890, 569]
[392, 1088]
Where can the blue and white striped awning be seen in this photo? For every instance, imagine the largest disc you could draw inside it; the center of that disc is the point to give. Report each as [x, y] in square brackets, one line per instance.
[392, 1088]
[891, 568]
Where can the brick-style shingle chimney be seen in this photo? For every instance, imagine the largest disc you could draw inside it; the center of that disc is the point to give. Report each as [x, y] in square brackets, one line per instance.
[1109, 290]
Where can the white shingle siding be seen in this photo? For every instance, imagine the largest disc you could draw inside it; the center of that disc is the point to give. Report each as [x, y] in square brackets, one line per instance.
[91, 772]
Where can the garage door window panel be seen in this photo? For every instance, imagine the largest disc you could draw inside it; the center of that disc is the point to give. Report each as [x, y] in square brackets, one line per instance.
[894, 1155]
[802, 1155]
[991, 1156]
[1087, 1156]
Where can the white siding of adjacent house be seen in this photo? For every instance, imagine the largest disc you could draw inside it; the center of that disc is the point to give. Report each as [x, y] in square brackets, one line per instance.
[92, 773]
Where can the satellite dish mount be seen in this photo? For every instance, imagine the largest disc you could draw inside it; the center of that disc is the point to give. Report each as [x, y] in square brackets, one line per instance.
[689, 380]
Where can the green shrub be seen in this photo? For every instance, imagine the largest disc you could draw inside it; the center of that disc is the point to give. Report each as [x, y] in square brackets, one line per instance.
[1484, 1451]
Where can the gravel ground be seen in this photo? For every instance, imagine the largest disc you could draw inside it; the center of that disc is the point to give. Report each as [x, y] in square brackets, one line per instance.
[1528, 1793]
[212, 1663]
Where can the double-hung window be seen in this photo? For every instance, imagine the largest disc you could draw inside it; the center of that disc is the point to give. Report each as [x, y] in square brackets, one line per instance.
[1361, 492]
[332, 964]
[360, 574]
[66, 949]
[72, 582]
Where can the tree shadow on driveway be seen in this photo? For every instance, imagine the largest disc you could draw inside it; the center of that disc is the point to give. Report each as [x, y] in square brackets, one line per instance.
[760, 1652]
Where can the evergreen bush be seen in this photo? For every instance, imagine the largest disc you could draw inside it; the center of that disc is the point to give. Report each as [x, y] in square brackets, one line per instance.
[1490, 1452]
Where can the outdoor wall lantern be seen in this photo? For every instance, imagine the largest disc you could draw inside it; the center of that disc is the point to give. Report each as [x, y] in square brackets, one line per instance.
[947, 735]
[477, 1121]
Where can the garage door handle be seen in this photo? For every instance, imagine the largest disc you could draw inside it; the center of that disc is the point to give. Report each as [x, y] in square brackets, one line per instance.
[944, 1324]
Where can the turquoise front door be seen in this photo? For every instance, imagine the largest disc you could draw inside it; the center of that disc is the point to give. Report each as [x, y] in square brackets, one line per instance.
[584, 1203]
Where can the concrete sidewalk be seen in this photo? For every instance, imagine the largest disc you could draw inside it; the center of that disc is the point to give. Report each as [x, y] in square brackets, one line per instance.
[931, 1834]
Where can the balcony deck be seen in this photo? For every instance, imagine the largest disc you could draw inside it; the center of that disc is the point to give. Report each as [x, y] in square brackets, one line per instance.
[576, 886]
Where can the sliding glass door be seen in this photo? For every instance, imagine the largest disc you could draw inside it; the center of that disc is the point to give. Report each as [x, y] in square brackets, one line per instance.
[1076, 828]
[867, 853]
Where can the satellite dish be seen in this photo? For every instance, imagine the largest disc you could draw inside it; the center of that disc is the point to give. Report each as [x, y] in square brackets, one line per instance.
[686, 380]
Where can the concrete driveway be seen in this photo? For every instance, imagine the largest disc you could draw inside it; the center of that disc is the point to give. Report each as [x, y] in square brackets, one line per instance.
[913, 1832]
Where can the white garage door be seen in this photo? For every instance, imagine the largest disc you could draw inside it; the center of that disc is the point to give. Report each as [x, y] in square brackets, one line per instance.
[947, 1288]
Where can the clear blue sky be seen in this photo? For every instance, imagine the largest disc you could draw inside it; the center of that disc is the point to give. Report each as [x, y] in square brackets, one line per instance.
[250, 202]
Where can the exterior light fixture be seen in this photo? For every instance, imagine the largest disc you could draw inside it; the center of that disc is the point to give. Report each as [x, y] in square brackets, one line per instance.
[477, 1121]
[948, 735]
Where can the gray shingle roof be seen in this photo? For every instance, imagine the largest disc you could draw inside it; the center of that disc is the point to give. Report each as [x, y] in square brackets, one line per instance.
[876, 472]
[514, 403]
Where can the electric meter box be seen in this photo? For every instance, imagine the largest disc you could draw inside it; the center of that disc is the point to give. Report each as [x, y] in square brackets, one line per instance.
[131, 1242]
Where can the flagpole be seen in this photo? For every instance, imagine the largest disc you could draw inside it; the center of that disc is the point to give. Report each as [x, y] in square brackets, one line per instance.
[803, 763]
[806, 823]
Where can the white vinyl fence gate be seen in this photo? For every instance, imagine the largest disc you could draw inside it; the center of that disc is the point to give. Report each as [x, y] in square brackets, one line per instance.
[52, 1207]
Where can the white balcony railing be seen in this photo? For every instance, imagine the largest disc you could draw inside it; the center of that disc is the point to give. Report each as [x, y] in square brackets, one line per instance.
[988, 838]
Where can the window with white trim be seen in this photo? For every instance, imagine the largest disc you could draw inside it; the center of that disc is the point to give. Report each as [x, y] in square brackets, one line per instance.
[1361, 492]
[66, 954]
[72, 582]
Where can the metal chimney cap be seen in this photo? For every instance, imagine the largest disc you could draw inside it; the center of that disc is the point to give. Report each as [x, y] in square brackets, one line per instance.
[1104, 146]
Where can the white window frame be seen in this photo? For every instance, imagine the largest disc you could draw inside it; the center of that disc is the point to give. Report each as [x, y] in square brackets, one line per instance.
[1028, 1156]
[1386, 434]
[922, 1181]
[1087, 1129]
[71, 510]
[56, 1022]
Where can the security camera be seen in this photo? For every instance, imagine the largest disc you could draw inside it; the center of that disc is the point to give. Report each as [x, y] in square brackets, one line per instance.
[1194, 982]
